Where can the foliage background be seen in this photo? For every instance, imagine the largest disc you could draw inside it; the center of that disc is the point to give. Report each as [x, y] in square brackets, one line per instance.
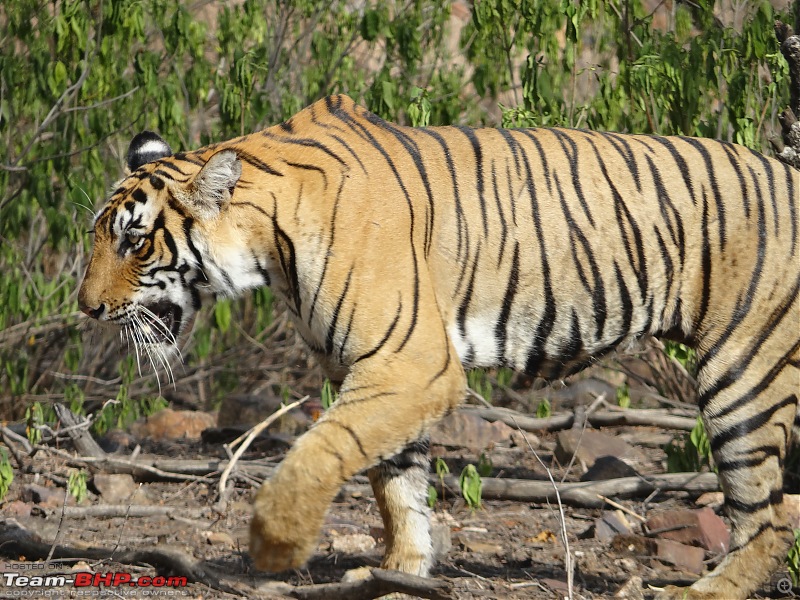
[78, 78]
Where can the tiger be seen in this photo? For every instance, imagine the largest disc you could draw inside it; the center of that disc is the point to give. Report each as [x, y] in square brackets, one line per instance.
[405, 255]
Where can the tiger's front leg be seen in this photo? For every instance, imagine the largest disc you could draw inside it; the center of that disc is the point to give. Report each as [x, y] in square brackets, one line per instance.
[385, 403]
[400, 484]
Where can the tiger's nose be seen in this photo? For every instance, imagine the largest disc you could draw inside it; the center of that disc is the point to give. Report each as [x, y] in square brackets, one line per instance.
[92, 312]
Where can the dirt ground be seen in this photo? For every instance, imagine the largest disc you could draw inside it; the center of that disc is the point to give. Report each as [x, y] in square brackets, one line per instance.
[504, 550]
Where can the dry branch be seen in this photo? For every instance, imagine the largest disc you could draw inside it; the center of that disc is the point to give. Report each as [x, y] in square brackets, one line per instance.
[380, 583]
[134, 510]
[586, 494]
[78, 431]
[601, 418]
[143, 469]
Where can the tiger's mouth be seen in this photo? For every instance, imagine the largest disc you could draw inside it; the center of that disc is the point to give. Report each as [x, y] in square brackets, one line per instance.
[161, 322]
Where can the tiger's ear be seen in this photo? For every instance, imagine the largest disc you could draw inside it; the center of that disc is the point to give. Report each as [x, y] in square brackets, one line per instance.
[213, 186]
[146, 147]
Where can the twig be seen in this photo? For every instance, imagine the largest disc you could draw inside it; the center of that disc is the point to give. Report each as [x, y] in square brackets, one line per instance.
[624, 509]
[380, 583]
[562, 518]
[252, 434]
[58, 531]
[475, 395]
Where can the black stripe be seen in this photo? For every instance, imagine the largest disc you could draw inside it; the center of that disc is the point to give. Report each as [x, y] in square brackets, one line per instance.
[309, 167]
[531, 135]
[547, 321]
[705, 267]
[700, 146]
[566, 138]
[478, 153]
[623, 215]
[627, 155]
[744, 300]
[501, 327]
[733, 158]
[411, 147]
[385, 337]
[683, 168]
[346, 428]
[734, 374]
[335, 316]
[464, 306]
[742, 428]
[461, 223]
[775, 497]
[306, 143]
[355, 125]
[672, 217]
[287, 257]
[625, 301]
[256, 162]
[595, 288]
[503, 224]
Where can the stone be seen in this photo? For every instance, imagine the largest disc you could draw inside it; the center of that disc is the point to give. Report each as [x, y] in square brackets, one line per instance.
[712, 500]
[116, 488]
[353, 543]
[588, 445]
[699, 527]
[610, 525]
[608, 467]
[687, 558]
[17, 509]
[44, 496]
[168, 424]
[466, 430]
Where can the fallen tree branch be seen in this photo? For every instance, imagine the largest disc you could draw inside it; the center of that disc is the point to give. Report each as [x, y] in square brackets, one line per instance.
[587, 494]
[78, 431]
[143, 469]
[134, 510]
[601, 418]
[380, 583]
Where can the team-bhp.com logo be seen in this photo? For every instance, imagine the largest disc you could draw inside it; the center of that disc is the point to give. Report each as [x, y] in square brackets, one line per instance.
[118, 580]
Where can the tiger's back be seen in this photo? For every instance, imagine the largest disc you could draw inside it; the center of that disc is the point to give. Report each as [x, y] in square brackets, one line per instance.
[403, 253]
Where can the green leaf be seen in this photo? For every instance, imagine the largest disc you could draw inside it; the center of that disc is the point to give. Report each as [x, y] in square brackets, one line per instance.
[222, 315]
[471, 487]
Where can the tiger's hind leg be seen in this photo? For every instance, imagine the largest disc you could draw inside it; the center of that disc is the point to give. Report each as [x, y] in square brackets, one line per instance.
[749, 404]
[400, 484]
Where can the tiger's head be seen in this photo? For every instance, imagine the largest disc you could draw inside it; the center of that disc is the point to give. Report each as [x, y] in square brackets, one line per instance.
[146, 274]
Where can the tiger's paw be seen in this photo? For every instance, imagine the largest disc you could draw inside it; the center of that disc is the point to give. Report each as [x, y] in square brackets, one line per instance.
[283, 535]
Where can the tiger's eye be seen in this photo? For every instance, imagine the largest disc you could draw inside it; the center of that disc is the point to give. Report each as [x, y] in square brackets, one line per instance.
[134, 239]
